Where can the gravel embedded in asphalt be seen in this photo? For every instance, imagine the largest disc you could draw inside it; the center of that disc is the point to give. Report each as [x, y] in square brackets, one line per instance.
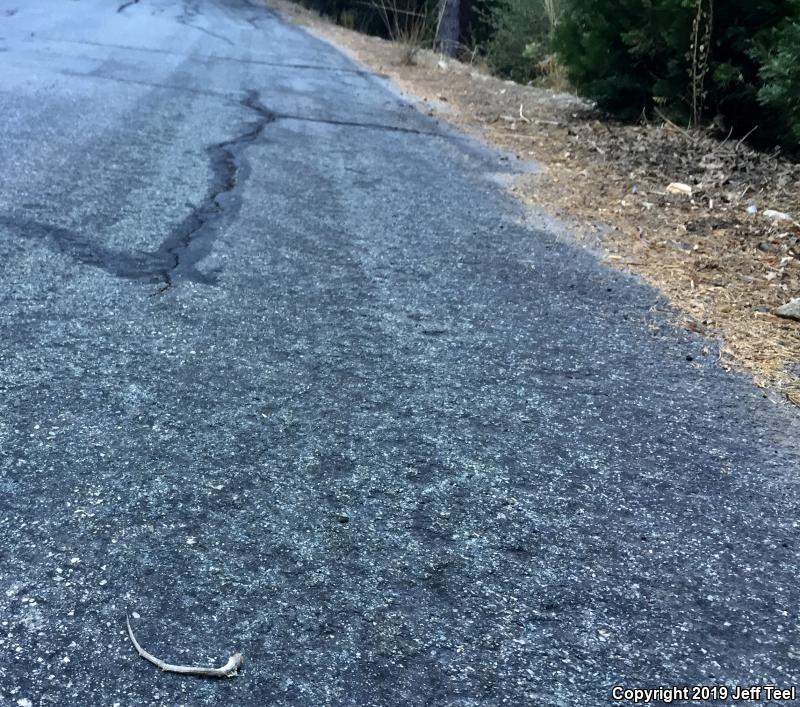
[286, 371]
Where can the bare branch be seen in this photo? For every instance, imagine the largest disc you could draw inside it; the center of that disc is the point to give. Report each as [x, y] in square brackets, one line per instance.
[228, 670]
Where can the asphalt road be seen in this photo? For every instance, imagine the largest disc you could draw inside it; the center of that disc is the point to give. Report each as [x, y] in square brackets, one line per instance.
[285, 371]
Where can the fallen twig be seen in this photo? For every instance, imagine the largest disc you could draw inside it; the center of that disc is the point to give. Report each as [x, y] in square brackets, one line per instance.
[228, 670]
[727, 137]
[747, 135]
[597, 147]
[512, 119]
[672, 125]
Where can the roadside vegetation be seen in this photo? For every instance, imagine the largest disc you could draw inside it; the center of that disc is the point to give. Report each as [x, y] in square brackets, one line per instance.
[666, 132]
[732, 67]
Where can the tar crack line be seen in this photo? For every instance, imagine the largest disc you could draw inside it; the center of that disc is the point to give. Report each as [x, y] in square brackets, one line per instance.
[187, 243]
[126, 5]
[191, 241]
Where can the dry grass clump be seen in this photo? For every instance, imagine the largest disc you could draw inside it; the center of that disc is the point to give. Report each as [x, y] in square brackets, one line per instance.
[408, 28]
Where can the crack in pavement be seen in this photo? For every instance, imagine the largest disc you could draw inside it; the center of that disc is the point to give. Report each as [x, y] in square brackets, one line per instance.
[188, 13]
[150, 84]
[191, 241]
[126, 5]
[217, 57]
[368, 126]
[188, 243]
[277, 115]
[83, 250]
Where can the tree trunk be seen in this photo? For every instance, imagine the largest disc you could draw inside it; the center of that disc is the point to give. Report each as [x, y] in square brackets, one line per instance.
[448, 33]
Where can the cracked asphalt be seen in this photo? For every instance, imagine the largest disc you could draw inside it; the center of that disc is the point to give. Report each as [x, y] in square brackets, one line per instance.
[285, 371]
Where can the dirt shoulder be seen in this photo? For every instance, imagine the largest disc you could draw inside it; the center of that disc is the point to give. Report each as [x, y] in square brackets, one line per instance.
[716, 250]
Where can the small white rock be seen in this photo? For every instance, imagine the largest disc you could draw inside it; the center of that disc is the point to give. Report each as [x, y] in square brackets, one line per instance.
[776, 215]
[679, 188]
[790, 310]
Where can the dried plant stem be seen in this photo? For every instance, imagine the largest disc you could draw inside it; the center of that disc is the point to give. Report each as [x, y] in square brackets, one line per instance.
[700, 50]
[405, 25]
[228, 670]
